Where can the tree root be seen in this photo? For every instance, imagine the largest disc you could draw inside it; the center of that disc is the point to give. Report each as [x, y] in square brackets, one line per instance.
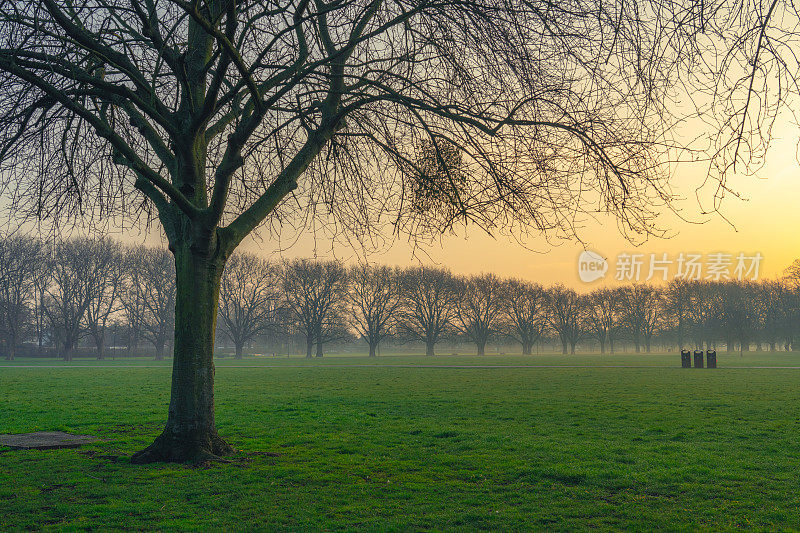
[168, 448]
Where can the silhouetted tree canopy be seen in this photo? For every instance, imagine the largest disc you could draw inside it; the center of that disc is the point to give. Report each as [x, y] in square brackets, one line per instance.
[214, 110]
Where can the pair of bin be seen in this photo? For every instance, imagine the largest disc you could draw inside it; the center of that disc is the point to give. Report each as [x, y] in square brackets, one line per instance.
[686, 358]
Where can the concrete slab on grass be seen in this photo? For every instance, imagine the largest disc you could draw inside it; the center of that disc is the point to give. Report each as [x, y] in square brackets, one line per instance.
[45, 440]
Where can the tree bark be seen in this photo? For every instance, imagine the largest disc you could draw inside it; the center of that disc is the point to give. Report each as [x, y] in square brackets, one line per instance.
[319, 340]
[99, 343]
[160, 351]
[481, 348]
[429, 348]
[239, 348]
[67, 354]
[309, 345]
[373, 349]
[526, 348]
[190, 434]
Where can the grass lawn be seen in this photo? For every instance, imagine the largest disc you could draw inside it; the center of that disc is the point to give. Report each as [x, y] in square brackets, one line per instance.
[325, 445]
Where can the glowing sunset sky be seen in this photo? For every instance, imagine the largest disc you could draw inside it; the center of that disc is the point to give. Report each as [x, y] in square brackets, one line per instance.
[765, 220]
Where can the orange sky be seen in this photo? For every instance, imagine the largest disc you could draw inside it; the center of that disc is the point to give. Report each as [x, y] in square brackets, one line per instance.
[766, 220]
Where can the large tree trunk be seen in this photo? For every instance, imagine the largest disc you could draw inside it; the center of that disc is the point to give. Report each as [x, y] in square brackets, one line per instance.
[309, 345]
[133, 341]
[160, 351]
[481, 348]
[373, 349]
[239, 349]
[67, 353]
[99, 343]
[429, 348]
[12, 348]
[191, 434]
[602, 345]
[319, 339]
[526, 348]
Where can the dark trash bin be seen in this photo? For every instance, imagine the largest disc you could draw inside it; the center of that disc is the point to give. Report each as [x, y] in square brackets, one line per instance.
[711, 358]
[686, 359]
[698, 358]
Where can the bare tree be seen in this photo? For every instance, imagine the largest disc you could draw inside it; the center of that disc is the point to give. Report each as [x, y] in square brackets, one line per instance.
[149, 297]
[677, 302]
[478, 308]
[248, 294]
[106, 262]
[790, 303]
[739, 313]
[41, 283]
[705, 312]
[20, 259]
[792, 274]
[428, 304]
[215, 111]
[299, 281]
[525, 312]
[641, 312]
[565, 316]
[315, 291]
[374, 299]
[602, 316]
[335, 326]
[770, 311]
[133, 297]
[70, 294]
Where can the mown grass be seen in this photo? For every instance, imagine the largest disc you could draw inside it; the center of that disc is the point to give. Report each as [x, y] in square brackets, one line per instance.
[659, 359]
[326, 446]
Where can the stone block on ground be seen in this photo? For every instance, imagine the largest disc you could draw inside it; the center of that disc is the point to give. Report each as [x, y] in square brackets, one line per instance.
[45, 440]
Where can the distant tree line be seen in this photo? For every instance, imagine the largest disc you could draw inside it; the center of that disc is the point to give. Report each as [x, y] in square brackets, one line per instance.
[97, 294]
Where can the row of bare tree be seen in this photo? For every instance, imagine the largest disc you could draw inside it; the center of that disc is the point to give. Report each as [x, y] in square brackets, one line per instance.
[60, 294]
[322, 301]
[78, 290]
[696, 313]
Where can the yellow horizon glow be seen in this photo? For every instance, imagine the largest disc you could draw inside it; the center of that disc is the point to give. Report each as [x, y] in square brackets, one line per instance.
[766, 219]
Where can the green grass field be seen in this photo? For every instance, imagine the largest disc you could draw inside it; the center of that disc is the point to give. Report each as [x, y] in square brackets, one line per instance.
[325, 445]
